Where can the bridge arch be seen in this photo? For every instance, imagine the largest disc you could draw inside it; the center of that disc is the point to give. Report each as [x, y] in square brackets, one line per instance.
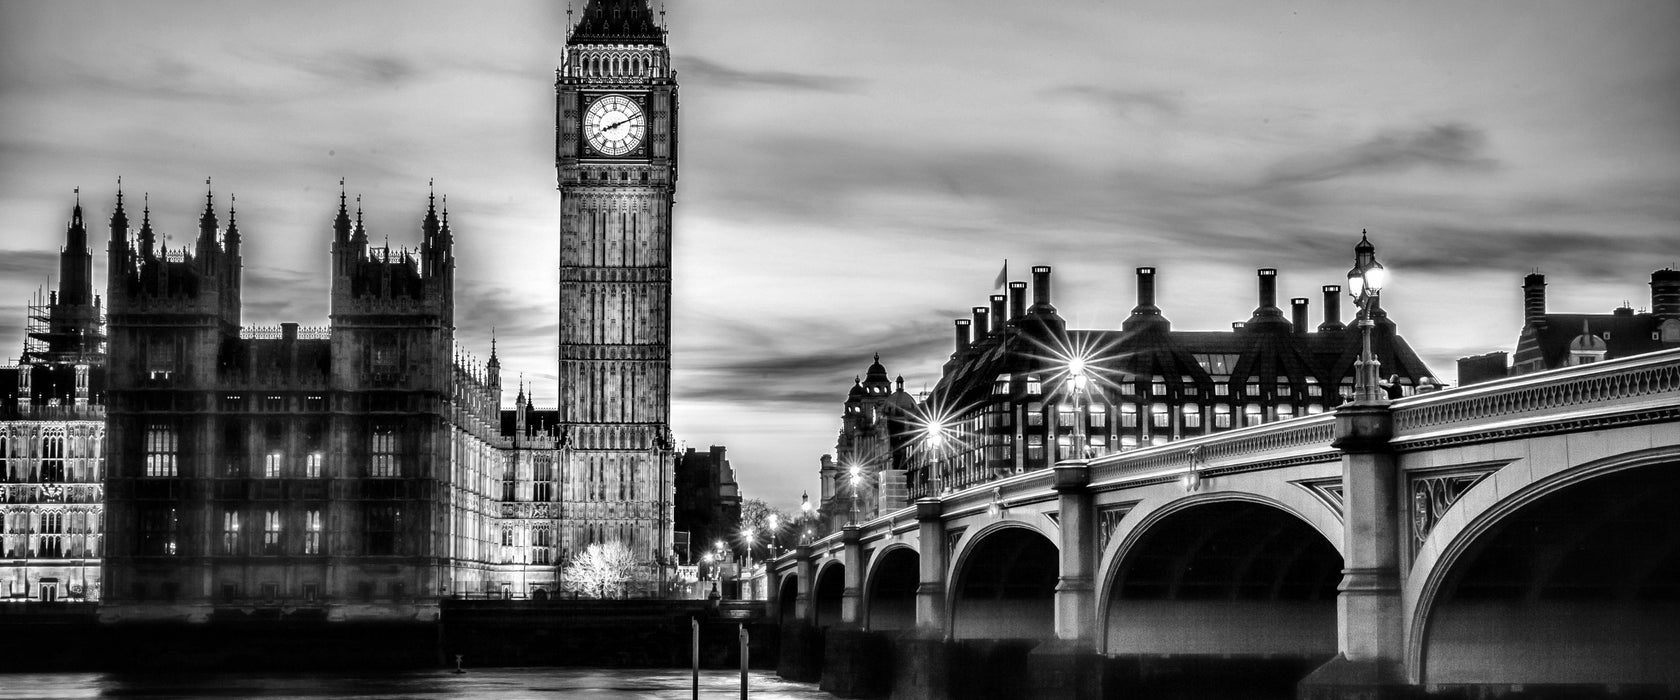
[1573, 577]
[1226, 573]
[889, 589]
[828, 587]
[787, 597]
[1003, 583]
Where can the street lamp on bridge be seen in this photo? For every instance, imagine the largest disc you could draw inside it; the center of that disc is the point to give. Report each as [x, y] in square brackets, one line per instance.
[1078, 381]
[1365, 284]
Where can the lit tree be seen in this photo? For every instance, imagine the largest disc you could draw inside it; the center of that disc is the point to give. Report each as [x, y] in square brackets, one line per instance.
[602, 571]
[768, 524]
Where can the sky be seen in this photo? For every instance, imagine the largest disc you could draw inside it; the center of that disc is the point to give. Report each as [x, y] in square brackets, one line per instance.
[855, 173]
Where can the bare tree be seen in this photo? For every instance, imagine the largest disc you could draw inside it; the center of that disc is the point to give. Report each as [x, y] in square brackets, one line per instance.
[601, 571]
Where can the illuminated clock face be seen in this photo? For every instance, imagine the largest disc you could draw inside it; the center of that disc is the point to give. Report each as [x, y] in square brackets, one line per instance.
[614, 125]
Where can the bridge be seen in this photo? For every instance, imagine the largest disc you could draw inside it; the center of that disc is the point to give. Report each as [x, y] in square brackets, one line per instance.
[1519, 538]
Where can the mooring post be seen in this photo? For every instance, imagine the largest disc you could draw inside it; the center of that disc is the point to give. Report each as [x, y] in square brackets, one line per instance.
[744, 653]
[694, 653]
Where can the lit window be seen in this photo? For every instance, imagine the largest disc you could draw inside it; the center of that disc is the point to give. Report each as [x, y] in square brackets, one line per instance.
[271, 532]
[1035, 447]
[312, 532]
[312, 465]
[1001, 384]
[1160, 415]
[158, 529]
[1285, 410]
[1221, 388]
[230, 532]
[1035, 413]
[1128, 415]
[1128, 442]
[1098, 416]
[1314, 409]
[1313, 388]
[1192, 415]
[1064, 414]
[271, 465]
[1158, 386]
[383, 462]
[1221, 416]
[1253, 414]
[161, 446]
[542, 543]
[1034, 386]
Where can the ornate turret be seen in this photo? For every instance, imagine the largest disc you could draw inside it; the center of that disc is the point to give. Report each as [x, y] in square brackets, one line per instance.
[207, 225]
[617, 22]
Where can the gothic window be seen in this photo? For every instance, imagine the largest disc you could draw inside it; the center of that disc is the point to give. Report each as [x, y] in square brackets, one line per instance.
[383, 524]
[508, 550]
[230, 532]
[271, 465]
[158, 530]
[271, 533]
[5, 457]
[543, 480]
[50, 541]
[382, 452]
[312, 532]
[233, 403]
[312, 465]
[160, 359]
[161, 446]
[52, 456]
[542, 545]
[510, 484]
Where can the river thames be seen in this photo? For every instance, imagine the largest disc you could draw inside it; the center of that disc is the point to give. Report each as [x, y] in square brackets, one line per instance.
[579, 683]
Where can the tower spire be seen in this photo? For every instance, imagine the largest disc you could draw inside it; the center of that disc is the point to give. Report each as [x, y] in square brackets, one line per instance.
[148, 239]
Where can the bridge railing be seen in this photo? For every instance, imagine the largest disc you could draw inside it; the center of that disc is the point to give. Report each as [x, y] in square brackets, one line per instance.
[1628, 384]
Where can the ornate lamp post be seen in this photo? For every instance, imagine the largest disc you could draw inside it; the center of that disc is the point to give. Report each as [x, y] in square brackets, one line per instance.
[1365, 284]
[1077, 382]
[805, 518]
[933, 439]
[857, 481]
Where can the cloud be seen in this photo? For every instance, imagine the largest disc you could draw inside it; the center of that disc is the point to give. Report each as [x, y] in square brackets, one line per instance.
[713, 73]
[1453, 146]
[25, 264]
[805, 363]
[1127, 104]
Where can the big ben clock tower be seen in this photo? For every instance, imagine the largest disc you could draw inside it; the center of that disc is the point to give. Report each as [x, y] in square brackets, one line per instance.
[616, 157]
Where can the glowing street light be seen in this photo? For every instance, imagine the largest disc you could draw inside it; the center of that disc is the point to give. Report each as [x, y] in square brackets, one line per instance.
[1078, 381]
[1365, 284]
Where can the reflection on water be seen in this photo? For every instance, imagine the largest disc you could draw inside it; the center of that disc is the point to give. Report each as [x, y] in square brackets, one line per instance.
[584, 684]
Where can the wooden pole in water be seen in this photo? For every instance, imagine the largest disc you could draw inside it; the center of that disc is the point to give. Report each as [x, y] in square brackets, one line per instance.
[743, 661]
[694, 646]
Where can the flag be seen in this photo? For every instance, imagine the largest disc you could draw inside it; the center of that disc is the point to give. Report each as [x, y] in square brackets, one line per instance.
[1003, 276]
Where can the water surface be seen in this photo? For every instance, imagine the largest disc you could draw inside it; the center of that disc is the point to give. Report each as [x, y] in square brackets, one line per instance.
[582, 684]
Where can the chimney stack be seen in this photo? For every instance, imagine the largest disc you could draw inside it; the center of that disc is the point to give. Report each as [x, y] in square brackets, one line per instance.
[1665, 293]
[1332, 309]
[982, 320]
[1041, 291]
[999, 306]
[1534, 298]
[1267, 313]
[1017, 301]
[962, 335]
[1146, 314]
[1298, 309]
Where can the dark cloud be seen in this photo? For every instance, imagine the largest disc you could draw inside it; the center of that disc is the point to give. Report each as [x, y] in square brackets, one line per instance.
[1453, 146]
[353, 69]
[712, 73]
[26, 264]
[799, 362]
[1453, 248]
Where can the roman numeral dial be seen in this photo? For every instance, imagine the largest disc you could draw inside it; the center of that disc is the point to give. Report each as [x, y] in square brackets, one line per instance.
[614, 125]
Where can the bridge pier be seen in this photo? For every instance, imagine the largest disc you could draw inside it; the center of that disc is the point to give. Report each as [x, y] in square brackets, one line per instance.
[1069, 667]
[801, 644]
[924, 656]
[1370, 638]
[854, 662]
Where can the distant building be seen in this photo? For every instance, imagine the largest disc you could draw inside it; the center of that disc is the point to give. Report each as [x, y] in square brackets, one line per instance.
[1021, 391]
[1552, 340]
[52, 441]
[708, 501]
[873, 448]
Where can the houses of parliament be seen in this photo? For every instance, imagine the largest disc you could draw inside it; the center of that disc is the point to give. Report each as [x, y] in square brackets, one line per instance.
[164, 458]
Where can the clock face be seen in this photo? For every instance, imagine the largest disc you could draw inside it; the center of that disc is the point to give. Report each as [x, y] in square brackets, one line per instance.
[614, 125]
